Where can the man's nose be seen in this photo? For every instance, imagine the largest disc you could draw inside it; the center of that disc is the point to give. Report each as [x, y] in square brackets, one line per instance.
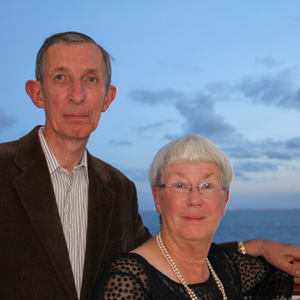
[77, 92]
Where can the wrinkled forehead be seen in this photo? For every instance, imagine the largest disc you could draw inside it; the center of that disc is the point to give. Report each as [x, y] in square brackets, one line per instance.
[76, 52]
[192, 170]
[74, 59]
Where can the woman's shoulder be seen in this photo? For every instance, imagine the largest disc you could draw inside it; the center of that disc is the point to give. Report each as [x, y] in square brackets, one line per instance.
[127, 271]
[128, 263]
[130, 257]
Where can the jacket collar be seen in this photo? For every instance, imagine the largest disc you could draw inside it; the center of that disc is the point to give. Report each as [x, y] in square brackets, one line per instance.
[101, 206]
[35, 189]
[36, 193]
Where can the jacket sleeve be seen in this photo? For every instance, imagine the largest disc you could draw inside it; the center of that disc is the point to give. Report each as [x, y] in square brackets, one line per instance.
[141, 233]
[229, 245]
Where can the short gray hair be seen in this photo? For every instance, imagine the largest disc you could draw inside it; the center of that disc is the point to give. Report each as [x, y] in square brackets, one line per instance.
[191, 148]
[69, 37]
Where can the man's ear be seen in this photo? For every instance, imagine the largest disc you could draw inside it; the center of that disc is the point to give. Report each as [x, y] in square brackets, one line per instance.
[156, 196]
[109, 97]
[33, 89]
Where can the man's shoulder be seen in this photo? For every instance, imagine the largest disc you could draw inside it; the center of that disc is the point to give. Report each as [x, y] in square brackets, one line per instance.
[9, 149]
[30, 135]
[105, 169]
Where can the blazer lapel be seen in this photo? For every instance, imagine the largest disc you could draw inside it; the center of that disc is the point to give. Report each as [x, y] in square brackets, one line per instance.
[100, 208]
[36, 193]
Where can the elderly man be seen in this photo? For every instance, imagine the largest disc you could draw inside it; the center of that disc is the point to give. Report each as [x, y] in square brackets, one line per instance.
[62, 210]
[65, 213]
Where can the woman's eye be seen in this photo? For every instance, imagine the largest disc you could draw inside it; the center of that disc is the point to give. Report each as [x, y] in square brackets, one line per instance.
[179, 185]
[207, 185]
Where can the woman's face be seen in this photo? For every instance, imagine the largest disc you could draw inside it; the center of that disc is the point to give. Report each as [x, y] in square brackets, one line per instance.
[191, 215]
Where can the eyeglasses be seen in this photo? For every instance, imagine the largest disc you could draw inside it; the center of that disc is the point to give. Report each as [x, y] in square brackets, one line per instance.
[206, 189]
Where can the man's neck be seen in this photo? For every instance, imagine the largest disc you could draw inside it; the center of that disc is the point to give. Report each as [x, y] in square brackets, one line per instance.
[68, 152]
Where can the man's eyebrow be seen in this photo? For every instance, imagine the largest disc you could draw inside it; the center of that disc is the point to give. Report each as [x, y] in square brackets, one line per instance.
[58, 69]
[66, 69]
[91, 70]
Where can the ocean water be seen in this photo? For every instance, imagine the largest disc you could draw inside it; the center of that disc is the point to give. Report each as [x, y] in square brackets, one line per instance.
[240, 225]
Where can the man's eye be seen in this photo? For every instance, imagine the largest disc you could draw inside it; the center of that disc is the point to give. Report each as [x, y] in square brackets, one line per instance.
[59, 77]
[92, 79]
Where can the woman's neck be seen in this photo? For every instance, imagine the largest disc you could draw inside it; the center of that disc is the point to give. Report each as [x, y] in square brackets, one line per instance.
[189, 257]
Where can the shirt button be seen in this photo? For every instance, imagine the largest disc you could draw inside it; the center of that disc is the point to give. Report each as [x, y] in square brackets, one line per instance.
[69, 225]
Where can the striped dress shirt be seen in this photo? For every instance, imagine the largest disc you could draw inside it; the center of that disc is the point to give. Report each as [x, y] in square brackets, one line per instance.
[72, 201]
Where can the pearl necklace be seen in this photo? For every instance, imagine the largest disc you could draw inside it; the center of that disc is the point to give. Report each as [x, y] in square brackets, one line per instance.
[170, 261]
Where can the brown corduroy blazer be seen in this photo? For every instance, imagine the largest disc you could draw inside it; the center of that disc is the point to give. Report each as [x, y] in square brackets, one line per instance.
[34, 260]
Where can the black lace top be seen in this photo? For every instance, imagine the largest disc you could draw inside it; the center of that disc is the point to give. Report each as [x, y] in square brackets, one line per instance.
[130, 276]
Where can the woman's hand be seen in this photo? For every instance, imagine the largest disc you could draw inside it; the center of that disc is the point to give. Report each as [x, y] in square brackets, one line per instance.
[297, 279]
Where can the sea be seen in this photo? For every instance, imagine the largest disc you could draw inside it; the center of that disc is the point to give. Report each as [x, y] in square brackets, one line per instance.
[281, 225]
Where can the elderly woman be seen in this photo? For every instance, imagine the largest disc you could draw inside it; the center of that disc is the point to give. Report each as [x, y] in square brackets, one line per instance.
[190, 180]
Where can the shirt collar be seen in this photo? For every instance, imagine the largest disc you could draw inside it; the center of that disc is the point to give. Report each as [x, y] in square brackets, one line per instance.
[52, 162]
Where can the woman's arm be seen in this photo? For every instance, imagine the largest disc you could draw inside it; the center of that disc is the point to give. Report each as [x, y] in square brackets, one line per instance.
[278, 254]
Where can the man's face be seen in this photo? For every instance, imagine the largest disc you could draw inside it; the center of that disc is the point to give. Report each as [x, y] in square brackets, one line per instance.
[73, 92]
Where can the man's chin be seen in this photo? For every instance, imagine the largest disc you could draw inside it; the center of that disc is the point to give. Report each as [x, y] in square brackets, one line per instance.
[79, 133]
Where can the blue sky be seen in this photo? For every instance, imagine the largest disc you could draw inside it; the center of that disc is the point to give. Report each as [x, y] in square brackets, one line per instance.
[228, 70]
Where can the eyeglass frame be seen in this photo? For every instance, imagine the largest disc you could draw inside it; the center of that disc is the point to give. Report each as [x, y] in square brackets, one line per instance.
[189, 188]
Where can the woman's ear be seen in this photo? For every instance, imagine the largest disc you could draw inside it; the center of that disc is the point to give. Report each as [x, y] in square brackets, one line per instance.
[226, 199]
[156, 196]
[33, 89]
